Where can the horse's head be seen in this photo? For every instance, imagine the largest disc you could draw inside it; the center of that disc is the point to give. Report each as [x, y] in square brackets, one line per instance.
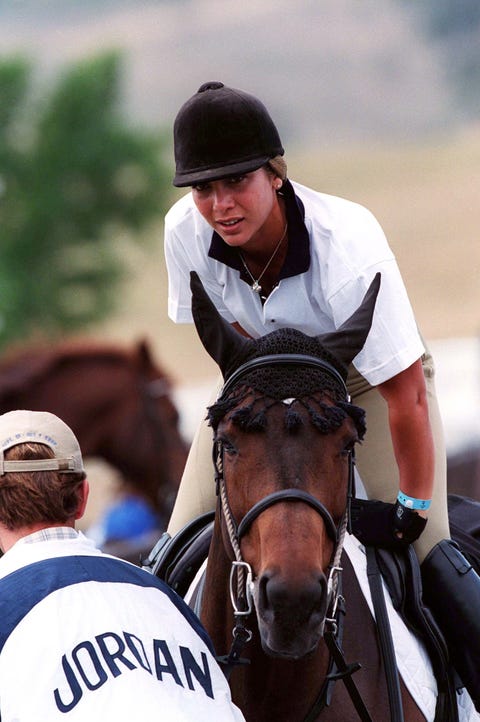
[284, 435]
[147, 445]
[116, 399]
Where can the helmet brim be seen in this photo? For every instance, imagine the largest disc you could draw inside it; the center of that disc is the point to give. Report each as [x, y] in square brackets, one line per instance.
[206, 175]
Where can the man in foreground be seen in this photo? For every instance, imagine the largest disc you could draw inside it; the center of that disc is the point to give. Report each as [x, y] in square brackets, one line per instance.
[83, 635]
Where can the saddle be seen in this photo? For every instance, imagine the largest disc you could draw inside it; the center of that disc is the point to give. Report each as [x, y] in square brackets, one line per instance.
[401, 573]
[401, 570]
[464, 518]
[176, 560]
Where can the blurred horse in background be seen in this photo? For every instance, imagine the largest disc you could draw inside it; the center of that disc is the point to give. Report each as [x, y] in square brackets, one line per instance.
[116, 400]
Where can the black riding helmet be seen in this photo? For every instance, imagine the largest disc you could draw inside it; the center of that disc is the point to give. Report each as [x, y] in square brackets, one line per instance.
[222, 131]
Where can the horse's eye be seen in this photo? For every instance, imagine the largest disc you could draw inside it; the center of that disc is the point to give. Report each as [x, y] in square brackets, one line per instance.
[230, 449]
[227, 446]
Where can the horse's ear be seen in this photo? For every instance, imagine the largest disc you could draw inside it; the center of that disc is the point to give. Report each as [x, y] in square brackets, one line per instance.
[219, 338]
[144, 354]
[348, 340]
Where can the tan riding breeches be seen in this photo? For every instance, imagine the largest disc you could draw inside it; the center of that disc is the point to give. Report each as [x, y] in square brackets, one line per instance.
[196, 494]
[375, 462]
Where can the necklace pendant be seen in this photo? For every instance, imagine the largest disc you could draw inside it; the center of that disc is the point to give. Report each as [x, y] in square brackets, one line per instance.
[256, 287]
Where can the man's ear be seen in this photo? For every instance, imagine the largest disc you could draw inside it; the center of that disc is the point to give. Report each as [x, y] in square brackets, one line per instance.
[83, 492]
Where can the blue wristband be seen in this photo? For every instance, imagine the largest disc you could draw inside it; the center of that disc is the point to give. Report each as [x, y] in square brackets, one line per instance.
[410, 502]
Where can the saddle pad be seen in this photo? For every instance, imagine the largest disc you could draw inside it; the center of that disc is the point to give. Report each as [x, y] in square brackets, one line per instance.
[412, 660]
[193, 597]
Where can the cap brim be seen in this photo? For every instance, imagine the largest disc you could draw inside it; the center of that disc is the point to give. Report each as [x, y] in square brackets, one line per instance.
[205, 175]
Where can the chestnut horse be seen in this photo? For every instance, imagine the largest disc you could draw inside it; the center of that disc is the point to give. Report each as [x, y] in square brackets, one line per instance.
[115, 399]
[284, 432]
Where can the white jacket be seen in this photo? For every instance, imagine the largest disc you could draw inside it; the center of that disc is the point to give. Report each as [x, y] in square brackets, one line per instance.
[85, 636]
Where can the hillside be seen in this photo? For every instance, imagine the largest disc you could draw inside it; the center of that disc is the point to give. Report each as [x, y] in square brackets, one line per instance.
[329, 70]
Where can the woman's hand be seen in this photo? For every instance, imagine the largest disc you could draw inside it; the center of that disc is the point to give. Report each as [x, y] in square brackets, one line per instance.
[377, 523]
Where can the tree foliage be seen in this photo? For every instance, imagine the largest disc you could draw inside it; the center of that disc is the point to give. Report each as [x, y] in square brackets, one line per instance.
[73, 178]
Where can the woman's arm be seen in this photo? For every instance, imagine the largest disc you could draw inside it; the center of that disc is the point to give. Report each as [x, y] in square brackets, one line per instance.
[412, 437]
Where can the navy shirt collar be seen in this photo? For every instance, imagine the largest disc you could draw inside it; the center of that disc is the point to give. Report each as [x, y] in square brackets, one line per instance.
[298, 253]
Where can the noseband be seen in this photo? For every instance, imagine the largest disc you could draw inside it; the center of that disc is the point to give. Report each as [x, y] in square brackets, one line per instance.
[287, 495]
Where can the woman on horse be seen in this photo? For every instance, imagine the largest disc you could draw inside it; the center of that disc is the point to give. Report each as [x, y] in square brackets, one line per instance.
[272, 253]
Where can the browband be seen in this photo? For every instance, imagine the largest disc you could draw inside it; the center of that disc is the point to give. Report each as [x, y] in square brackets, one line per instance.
[284, 359]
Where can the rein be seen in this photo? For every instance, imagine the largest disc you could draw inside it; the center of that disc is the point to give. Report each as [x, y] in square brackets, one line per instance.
[241, 576]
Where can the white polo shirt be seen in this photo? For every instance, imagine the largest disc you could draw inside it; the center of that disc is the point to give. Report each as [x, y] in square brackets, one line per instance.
[335, 249]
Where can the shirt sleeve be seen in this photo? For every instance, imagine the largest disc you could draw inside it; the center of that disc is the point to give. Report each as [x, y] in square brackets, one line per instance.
[350, 247]
[359, 249]
[393, 342]
[178, 270]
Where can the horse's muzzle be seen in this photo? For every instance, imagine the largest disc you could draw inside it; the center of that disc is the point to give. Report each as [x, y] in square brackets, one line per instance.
[291, 614]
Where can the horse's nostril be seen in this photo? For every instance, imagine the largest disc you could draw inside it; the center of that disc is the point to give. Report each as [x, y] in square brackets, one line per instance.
[262, 590]
[285, 596]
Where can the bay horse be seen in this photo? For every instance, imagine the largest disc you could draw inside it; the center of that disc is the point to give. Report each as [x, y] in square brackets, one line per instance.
[117, 401]
[284, 433]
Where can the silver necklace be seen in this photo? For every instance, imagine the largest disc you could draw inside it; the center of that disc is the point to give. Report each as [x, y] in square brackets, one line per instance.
[256, 281]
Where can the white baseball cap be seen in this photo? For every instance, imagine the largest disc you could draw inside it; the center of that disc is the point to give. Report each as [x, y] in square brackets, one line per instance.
[40, 427]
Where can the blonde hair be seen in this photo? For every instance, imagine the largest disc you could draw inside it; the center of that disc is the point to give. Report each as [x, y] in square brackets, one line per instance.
[279, 166]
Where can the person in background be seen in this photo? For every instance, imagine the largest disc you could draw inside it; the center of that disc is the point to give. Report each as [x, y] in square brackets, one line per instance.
[84, 635]
[273, 253]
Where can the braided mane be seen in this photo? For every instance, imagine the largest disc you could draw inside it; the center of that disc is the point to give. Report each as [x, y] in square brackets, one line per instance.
[315, 390]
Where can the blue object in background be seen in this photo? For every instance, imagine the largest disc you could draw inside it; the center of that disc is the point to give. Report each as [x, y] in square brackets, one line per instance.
[129, 518]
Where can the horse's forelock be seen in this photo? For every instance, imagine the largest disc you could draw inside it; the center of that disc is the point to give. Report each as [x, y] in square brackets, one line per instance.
[248, 407]
[276, 383]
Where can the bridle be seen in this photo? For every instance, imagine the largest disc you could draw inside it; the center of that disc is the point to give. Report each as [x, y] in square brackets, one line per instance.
[285, 360]
[241, 576]
[241, 571]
